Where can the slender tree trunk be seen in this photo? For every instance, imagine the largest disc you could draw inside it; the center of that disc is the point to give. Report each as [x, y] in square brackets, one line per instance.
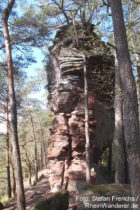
[41, 149]
[35, 149]
[127, 174]
[43, 144]
[13, 110]
[83, 13]
[119, 141]
[130, 111]
[138, 86]
[41, 155]
[74, 27]
[87, 148]
[30, 174]
[9, 190]
[13, 179]
[29, 165]
[45, 154]
[110, 159]
[39, 164]
[75, 30]
[137, 57]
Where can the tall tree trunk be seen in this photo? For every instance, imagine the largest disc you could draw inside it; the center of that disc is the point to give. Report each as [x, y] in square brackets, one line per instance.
[109, 165]
[35, 149]
[13, 110]
[30, 174]
[29, 165]
[137, 57]
[127, 174]
[45, 153]
[87, 148]
[13, 178]
[75, 30]
[119, 141]
[130, 111]
[9, 190]
[43, 144]
[42, 154]
[138, 84]
[83, 13]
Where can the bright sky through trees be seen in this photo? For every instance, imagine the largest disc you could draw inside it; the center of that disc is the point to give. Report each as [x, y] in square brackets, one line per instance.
[31, 70]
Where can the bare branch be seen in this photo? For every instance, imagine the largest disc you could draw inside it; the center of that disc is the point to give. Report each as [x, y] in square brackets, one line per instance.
[61, 7]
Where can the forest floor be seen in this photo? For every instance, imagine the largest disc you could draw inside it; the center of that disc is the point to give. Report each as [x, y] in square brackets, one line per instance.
[32, 194]
[40, 174]
[41, 190]
[103, 186]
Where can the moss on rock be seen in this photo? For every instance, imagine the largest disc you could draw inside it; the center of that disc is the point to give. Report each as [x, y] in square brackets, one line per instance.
[108, 189]
[56, 201]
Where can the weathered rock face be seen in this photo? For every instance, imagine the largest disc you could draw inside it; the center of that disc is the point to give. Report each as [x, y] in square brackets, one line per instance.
[66, 152]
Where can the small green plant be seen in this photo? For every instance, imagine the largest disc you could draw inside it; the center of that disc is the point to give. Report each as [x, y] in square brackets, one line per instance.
[5, 200]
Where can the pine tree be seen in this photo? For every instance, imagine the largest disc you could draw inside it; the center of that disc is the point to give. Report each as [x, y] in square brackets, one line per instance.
[13, 110]
[130, 111]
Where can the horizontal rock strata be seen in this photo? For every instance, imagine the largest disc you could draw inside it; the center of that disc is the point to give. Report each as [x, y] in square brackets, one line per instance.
[66, 151]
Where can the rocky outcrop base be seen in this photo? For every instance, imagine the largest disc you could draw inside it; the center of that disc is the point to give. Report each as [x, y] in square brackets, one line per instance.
[56, 201]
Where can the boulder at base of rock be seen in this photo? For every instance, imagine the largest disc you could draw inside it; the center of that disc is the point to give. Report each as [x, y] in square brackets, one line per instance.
[56, 201]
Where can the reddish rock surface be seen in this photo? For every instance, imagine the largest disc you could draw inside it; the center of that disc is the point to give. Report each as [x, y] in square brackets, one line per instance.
[66, 151]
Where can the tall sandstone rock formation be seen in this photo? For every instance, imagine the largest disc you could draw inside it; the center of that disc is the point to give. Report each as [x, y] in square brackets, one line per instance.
[66, 151]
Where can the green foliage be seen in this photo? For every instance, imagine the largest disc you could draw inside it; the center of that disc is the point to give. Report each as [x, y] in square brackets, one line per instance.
[5, 200]
[34, 25]
[34, 123]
